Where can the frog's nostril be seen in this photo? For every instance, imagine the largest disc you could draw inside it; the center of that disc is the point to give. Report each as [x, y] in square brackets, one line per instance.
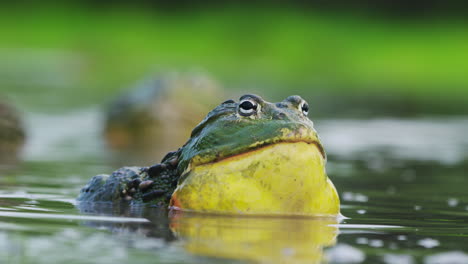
[280, 116]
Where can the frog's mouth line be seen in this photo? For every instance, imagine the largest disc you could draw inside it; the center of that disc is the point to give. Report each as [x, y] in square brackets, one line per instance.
[267, 144]
[316, 143]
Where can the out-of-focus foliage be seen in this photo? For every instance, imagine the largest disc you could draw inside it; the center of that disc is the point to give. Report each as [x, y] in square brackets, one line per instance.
[361, 61]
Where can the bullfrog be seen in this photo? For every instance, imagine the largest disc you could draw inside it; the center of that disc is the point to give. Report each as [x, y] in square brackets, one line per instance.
[136, 120]
[12, 133]
[245, 157]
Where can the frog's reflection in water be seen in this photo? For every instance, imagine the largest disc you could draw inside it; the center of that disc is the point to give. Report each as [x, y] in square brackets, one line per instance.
[265, 239]
[257, 239]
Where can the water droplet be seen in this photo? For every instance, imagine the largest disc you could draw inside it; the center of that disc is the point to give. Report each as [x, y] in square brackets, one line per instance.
[362, 240]
[401, 237]
[360, 198]
[376, 243]
[428, 243]
[347, 196]
[452, 202]
[354, 197]
[343, 253]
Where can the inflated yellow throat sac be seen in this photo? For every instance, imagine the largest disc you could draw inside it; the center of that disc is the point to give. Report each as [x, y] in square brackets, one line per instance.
[286, 178]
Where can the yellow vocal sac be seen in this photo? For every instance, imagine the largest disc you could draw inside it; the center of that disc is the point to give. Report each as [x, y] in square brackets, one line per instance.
[283, 178]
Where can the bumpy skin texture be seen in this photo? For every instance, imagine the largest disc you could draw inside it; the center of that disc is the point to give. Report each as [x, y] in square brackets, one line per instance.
[226, 131]
[153, 185]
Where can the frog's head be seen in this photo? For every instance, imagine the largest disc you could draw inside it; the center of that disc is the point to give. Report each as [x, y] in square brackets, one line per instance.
[235, 128]
[249, 140]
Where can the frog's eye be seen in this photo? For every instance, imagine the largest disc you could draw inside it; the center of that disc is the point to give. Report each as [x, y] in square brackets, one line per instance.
[304, 108]
[247, 107]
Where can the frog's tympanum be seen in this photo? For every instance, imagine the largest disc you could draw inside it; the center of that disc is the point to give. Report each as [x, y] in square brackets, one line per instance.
[246, 157]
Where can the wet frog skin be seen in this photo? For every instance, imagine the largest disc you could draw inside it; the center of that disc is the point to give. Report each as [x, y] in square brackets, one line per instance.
[245, 157]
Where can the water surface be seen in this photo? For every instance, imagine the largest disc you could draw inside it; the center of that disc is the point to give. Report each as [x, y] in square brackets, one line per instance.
[402, 184]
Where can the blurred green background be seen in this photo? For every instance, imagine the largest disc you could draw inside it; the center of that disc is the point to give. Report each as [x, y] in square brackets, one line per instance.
[386, 81]
[356, 58]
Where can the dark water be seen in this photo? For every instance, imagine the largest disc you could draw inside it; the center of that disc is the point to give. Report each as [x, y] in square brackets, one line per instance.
[402, 183]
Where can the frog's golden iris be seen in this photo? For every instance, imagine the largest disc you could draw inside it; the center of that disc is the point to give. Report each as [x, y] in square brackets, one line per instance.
[246, 157]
